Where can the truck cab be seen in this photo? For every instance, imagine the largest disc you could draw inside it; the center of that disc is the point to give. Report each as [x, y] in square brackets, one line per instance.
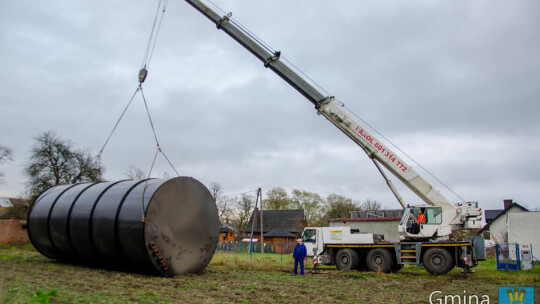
[309, 238]
[422, 222]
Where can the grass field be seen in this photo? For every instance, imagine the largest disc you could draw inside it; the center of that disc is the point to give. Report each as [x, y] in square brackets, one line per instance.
[28, 277]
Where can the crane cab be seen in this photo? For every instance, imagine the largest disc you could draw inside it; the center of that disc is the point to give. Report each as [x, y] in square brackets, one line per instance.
[422, 222]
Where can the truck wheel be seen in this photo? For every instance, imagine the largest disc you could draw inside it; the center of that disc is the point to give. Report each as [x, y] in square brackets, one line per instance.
[379, 259]
[438, 261]
[346, 259]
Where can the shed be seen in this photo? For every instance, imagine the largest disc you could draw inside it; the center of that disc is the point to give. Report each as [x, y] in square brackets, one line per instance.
[282, 241]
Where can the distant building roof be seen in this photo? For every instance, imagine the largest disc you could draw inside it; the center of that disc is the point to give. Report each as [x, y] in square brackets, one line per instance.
[388, 213]
[279, 233]
[289, 220]
[12, 202]
[492, 214]
[226, 229]
[5, 202]
[13, 208]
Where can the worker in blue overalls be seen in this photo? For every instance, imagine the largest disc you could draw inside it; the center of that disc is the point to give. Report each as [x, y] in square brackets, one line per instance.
[299, 255]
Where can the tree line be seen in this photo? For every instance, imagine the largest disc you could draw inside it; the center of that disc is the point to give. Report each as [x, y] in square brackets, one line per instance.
[236, 210]
[55, 161]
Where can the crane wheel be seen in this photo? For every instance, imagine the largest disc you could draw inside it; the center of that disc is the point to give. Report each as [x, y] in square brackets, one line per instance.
[379, 259]
[346, 259]
[438, 261]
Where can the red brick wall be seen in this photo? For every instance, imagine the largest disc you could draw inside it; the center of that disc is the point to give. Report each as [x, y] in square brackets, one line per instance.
[12, 232]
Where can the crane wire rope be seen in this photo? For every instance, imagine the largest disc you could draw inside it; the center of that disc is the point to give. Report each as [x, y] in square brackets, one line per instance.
[267, 46]
[115, 126]
[151, 44]
[150, 47]
[152, 39]
[159, 149]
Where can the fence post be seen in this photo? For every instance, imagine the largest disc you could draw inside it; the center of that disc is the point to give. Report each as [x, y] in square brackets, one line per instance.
[518, 257]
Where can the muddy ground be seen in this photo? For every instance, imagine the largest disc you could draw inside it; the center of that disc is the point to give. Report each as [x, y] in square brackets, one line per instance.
[27, 276]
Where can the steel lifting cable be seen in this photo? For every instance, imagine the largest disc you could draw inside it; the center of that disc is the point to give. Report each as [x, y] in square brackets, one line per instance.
[156, 26]
[115, 126]
[142, 77]
[151, 44]
[159, 149]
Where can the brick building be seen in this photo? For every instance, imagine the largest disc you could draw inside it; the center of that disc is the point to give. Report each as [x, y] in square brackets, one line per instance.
[13, 214]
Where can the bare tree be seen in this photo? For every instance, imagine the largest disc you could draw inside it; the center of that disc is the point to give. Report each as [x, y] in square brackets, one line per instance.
[167, 175]
[5, 155]
[134, 172]
[216, 190]
[370, 204]
[53, 161]
[242, 211]
[223, 204]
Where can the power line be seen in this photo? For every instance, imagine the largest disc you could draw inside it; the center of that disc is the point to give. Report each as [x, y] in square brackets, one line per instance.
[236, 194]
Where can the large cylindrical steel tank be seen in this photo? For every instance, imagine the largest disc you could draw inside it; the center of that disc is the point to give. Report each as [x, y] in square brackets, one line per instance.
[172, 230]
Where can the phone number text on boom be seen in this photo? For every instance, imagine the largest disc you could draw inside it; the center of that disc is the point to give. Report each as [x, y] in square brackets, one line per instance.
[380, 148]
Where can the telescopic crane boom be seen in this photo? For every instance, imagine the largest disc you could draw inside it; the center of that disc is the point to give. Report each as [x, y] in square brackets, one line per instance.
[447, 215]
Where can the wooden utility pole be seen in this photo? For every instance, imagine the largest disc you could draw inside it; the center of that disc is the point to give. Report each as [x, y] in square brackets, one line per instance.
[259, 195]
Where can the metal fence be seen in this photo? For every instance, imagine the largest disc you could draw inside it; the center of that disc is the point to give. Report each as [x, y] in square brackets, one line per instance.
[238, 246]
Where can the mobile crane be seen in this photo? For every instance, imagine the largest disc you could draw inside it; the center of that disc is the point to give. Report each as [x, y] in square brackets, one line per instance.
[425, 242]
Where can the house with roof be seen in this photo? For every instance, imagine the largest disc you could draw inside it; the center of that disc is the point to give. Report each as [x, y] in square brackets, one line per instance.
[383, 222]
[13, 213]
[513, 224]
[279, 226]
[496, 228]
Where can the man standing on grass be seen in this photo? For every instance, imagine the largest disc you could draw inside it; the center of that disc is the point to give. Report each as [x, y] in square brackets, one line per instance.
[299, 255]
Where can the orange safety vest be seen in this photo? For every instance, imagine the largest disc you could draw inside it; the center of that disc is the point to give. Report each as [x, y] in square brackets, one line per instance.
[421, 219]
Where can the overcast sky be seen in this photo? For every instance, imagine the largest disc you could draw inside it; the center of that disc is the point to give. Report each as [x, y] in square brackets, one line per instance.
[455, 84]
